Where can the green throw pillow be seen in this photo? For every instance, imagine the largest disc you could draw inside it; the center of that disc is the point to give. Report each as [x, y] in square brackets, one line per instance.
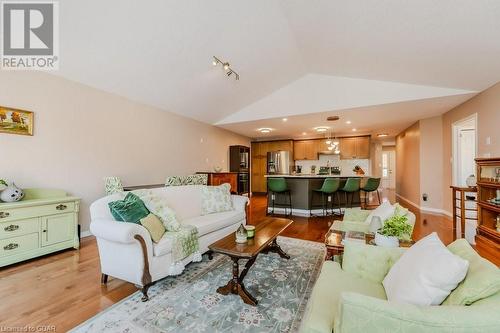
[482, 279]
[131, 209]
[154, 226]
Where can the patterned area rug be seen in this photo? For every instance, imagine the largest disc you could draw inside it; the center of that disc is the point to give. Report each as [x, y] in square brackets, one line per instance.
[189, 302]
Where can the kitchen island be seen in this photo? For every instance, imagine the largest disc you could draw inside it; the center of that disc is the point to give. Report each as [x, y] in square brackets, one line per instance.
[304, 201]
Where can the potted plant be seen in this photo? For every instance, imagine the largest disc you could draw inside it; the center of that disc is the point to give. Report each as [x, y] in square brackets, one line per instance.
[394, 229]
[3, 184]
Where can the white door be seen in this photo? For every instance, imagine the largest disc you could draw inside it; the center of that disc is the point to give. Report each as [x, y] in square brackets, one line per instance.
[389, 169]
[466, 154]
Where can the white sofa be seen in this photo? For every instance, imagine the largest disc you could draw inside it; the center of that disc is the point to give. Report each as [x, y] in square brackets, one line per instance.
[126, 249]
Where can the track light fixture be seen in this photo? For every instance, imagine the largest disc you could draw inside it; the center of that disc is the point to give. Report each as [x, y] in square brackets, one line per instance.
[226, 66]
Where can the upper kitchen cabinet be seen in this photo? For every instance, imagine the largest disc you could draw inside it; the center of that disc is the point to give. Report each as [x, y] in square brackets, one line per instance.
[355, 147]
[286, 145]
[305, 150]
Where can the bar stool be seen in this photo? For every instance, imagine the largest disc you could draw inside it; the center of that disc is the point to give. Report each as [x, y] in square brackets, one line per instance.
[278, 186]
[371, 185]
[351, 186]
[328, 189]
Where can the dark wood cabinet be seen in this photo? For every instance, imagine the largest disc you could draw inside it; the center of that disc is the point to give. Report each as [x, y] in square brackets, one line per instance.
[488, 185]
[219, 178]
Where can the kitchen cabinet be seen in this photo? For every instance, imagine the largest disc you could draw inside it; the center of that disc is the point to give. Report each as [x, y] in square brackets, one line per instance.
[258, 165]
[305, 150]
[355, 147]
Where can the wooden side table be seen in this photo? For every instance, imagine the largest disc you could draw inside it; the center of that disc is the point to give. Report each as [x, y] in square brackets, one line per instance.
[334, 246]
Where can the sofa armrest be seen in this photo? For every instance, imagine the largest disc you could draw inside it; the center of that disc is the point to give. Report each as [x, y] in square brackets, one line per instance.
[360, 313]
[119, 232]
[356, 214]
[239, 202]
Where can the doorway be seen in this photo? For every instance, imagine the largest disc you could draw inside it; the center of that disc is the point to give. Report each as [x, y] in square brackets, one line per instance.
[464, 149]
[389, 167]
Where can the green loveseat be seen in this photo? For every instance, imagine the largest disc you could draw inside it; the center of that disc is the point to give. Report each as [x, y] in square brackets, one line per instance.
[351, 298]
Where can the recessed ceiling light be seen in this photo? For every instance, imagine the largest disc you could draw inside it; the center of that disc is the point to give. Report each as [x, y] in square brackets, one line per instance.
[354, 130]
[285, 119]
[304, 133]
[321, 129]
[348, 122]
[264, 130]
[381, 135]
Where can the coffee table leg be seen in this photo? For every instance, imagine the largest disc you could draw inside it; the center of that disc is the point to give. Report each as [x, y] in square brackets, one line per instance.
[274, 247]
[236, 286]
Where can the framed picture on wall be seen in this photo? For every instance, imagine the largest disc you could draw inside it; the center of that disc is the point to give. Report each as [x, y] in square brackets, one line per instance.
[15, 121]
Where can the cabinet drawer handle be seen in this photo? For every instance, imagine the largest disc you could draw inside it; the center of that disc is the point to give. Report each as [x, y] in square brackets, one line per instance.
[4, 215]
[11, 227]
[11, 246]
[61, 207]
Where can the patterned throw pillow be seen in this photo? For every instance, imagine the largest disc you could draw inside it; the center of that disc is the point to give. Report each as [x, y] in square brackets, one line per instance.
[174, 181]
[159, 207]
[216, 199]
[131, 209]
[199, 179]
[113, 185]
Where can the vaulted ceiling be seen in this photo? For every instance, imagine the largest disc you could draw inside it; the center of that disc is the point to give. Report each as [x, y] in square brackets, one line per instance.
[295, 57]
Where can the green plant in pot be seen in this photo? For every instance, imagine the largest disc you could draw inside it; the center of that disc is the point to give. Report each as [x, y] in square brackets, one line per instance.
[3, 184]
[394, 229]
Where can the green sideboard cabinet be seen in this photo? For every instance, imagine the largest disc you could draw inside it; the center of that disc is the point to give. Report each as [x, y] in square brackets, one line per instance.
[45, 221]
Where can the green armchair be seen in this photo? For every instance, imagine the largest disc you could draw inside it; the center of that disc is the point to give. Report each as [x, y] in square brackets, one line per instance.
[351, 298]
[354, 219]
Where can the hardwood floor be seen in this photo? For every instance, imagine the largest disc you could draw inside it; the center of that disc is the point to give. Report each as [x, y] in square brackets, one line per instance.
[60, 291]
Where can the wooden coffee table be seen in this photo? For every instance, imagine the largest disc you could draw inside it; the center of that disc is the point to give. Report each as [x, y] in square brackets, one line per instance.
[264, 241]
[334, 246]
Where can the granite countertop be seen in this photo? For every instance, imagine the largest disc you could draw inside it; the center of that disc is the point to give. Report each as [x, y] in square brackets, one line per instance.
[316, 176]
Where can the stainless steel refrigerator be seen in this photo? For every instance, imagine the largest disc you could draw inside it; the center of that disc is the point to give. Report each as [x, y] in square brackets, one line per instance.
[279, 162]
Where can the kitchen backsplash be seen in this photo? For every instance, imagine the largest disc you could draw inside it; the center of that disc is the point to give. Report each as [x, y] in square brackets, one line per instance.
[346, 166]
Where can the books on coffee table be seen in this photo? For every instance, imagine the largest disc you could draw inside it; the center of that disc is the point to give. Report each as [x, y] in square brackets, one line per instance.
[353, 236]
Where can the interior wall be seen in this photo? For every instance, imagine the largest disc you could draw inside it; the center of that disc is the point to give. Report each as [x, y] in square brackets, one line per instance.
[487, 106]
[83, 134]
[431, 158]
[408, 164]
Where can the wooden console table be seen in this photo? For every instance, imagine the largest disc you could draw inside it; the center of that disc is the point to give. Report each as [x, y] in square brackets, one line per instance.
[460, 203]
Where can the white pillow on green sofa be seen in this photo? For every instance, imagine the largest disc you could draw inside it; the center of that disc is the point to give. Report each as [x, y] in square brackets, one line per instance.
[425, 274]
[384, 211]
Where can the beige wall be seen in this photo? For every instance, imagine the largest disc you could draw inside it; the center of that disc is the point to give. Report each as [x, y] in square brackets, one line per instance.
[408, 163]
[83, 134]
[431, 162]
[487, 107]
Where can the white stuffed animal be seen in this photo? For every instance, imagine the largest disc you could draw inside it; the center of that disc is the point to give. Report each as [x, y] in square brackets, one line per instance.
[12, 193]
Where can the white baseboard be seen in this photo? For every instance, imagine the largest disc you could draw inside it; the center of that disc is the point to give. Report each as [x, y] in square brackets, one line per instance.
[84, 234]
[426, 209]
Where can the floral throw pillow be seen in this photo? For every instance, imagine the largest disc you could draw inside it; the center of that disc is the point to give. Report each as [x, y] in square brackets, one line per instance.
[160, 208]
[216, 199]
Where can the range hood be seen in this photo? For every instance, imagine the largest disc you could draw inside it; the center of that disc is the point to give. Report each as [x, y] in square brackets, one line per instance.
[327, 152]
